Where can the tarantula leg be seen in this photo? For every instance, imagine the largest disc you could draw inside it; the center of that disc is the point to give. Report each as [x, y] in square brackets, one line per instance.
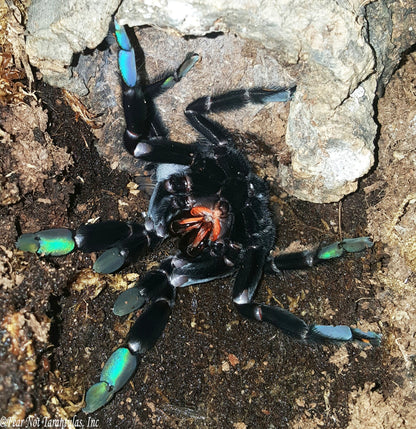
[249, 275]
[160, 284]
[201, 269]
[157, 88]
[245, 286]
[172, 272]
[122, 364]
[239, 98]
[139, 111]
[120, 242]
[161, 150]
[229, 101]
[297, 328]
[309, 258]
[134, 103]
[154, 284]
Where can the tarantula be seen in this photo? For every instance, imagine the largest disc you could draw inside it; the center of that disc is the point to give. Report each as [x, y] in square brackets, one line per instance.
[207, 196]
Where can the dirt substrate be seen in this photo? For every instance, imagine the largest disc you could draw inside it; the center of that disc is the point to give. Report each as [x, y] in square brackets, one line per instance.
[211, 368]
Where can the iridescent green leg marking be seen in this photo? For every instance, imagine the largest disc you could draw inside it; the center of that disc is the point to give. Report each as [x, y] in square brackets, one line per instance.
[126, 57]
[53, 242]
[116, 372]
[183, 69]
[348, 245]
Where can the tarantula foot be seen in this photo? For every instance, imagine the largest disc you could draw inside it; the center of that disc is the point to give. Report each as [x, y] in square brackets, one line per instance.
[116, 372]
[129, 301]
[349, 245]
[53, 242]
[190, 61]
[366, 337]
[341, 334]
[110, 261]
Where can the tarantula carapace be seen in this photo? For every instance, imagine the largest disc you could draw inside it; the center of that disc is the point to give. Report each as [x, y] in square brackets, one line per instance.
[207, 196]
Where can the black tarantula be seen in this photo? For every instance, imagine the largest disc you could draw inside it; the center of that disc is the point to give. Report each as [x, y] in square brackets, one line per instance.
[207, 196]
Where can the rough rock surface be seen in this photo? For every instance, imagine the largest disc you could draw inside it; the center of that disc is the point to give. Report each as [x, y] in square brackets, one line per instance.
[337, 54]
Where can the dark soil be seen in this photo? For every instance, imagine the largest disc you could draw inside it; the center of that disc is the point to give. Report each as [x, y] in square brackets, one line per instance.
[211, 368]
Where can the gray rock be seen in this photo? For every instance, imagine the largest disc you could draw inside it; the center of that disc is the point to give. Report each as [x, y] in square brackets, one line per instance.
[337, 52]
[58, 29]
